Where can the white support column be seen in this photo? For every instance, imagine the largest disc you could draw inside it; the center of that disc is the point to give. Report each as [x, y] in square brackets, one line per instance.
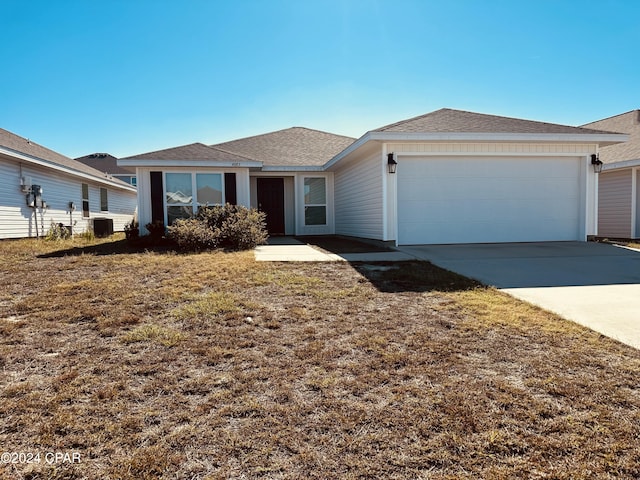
[385, 196]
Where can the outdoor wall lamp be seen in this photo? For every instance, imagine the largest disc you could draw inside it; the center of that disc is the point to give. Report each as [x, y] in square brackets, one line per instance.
[392, 163]
[596, 162]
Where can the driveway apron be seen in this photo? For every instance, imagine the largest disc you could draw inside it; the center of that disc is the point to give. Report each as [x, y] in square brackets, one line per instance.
[596, 285]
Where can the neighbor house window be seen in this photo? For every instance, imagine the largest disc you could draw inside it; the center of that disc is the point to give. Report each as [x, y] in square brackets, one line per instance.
[104, 201]
[85, 200]
[315, 201]
[179, 198]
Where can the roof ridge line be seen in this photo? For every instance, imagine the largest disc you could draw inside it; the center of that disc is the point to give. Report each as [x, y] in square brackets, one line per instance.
[282, 130]
[384, 127]
[613, 116]
[213, 147]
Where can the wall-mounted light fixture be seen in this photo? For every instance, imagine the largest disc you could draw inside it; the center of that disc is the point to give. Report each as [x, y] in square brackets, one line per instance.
[596, 162]
[392, 163]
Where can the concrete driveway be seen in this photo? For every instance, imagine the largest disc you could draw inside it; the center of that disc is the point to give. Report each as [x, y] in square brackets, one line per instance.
[594, 284]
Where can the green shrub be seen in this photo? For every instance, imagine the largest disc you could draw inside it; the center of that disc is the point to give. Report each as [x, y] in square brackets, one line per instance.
[231, 227]
[193, 234]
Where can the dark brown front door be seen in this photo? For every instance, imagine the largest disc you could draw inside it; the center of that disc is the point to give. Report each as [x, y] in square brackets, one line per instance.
[271, 202]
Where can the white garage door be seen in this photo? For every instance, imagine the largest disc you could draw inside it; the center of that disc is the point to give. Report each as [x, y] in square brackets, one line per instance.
[485, 200]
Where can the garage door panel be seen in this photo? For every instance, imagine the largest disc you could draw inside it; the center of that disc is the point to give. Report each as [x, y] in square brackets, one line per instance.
[464, 200]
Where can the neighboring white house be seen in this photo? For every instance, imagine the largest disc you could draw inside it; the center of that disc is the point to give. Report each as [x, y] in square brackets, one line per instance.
[619, 192]
[39, 186]
[445, 177]
[107, 163]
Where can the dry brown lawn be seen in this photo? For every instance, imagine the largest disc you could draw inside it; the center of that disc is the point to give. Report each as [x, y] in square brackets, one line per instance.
[162, 365]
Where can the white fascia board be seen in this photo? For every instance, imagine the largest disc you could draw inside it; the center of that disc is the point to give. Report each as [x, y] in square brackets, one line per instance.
[61, 168]
[602, 139]
[185, 163]
[621, 164]
[291, 168]
[599, 138]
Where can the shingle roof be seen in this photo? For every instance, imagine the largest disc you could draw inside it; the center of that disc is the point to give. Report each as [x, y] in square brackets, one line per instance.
[296, 146]
[628, 123]
[193, 151]
[27, 147]
[105, 163]
[447, 120]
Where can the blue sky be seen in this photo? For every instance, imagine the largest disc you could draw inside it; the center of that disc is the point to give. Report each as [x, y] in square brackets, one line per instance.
[131, 76]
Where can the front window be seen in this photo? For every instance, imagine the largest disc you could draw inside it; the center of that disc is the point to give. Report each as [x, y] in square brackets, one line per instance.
[209, 188]
[179, 198]
[315, 201]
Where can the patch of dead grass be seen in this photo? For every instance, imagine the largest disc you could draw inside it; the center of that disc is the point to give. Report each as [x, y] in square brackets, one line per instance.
[163, 335]
[160, 365]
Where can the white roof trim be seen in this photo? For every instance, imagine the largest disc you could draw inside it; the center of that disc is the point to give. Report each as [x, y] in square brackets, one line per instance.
[62, 168]
[292, 168]
[185, 163]
[621, 164]
[602, 139]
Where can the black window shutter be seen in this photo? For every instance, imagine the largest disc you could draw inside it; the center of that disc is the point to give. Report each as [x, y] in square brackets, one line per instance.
[157, 205]
[230, 188]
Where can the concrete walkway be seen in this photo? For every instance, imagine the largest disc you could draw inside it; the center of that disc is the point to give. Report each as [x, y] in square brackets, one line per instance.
[595, 285]
[287, 249]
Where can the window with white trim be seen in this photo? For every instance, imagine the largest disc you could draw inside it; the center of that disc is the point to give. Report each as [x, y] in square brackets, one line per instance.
[85, 200]
[104, 200]
[180, 200]
[315, 201]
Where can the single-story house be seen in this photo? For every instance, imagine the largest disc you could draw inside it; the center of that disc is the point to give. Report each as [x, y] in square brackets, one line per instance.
[449, 176]
[40, 187]
[107, 163]
[619, 182]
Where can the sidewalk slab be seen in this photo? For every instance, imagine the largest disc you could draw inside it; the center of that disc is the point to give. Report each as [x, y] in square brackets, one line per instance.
[290, 250]
[293, 253]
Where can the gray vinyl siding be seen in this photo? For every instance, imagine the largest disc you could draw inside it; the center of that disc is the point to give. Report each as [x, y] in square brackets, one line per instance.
[17, 220]
[614, 204]
[359, 198]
